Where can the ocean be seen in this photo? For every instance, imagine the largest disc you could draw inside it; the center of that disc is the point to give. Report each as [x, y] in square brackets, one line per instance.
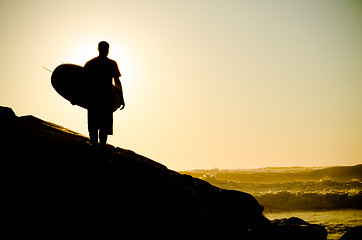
[328, 196]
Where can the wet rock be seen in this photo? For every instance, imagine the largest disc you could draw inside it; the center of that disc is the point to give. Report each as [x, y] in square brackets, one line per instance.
[296, 228]
[353, 234]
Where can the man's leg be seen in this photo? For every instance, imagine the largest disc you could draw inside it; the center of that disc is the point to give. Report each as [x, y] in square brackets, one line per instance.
[105, 130]
[103, 140]
[93, 135]
[93, 130]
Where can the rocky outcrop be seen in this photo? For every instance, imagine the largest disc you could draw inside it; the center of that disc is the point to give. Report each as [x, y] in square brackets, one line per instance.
[353, 234]
[289, 228]
[54, 186]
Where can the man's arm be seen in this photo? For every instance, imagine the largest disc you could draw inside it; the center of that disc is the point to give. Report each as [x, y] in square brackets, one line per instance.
[118, 85]
[117, 82]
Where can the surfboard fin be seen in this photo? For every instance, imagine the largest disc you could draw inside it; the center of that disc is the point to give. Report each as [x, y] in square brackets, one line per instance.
[47, 69]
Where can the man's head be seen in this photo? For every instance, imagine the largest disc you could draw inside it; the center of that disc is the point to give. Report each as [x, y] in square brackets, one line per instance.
[103, 48]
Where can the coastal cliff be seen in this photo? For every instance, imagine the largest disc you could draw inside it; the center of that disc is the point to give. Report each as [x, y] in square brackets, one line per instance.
[55, 186]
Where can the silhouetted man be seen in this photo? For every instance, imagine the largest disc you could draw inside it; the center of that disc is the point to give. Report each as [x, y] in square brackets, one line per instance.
[100, 72]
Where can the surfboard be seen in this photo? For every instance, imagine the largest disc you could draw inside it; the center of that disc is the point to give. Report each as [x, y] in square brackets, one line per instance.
[70, 82]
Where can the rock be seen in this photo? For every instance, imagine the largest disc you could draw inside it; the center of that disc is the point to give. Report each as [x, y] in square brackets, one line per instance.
[55, 186]
[296, 228]
[6, 115]
[353, 234]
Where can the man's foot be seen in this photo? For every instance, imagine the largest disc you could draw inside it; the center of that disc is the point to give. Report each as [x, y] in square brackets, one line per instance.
[94, 151]
[102, 149]
[95, 147]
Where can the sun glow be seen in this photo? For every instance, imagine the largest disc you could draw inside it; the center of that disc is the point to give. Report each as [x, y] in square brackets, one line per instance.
[80, 53]
[86, 49]
[236, 84]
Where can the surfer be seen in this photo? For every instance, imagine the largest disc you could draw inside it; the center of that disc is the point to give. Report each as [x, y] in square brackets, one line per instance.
[100, 73]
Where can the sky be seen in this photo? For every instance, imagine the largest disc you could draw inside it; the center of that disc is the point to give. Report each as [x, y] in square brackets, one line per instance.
[207, 83]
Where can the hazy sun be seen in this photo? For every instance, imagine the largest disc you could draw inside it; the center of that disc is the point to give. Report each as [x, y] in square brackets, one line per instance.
[83, 51]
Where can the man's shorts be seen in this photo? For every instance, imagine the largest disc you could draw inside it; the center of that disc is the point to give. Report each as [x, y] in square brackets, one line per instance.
[100, 119]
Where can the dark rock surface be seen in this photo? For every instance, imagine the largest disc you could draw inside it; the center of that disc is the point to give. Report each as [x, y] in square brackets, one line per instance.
[353, 234]
[54, 186]
[289, 228]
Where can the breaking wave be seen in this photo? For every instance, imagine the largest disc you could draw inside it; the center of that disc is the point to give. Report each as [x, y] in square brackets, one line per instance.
[309, 201]
[311, 195]
[295, 188]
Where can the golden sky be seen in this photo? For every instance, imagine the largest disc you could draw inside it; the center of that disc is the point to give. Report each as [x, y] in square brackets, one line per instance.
[207, 83]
